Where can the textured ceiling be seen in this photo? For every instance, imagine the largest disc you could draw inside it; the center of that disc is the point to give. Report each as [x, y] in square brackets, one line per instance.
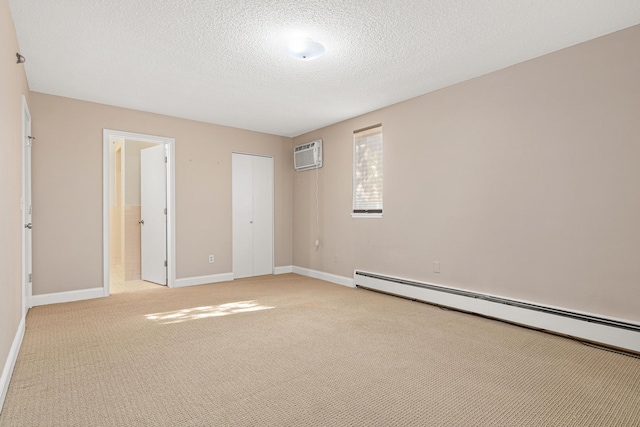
[224, 61]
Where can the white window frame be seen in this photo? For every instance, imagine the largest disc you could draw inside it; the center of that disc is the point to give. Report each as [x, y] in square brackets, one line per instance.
[376, 129]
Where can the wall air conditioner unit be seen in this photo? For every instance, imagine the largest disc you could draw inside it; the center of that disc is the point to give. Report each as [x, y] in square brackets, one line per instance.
[308, 156]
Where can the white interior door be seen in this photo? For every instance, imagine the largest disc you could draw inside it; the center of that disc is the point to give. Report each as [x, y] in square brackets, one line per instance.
[27, 208]
[153, 204]
[262, 215]
[252, 201]
[242, 183]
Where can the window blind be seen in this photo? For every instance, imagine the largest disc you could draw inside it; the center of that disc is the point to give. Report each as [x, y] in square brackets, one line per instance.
[367, 171]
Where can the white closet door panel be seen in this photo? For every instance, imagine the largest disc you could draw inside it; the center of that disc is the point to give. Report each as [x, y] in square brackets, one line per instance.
[262, 215]
[242, 201]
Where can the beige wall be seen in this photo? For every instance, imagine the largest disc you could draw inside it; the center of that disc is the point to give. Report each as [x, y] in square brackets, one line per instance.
[67, 183]
[132, 247]
[523, 183]
[13, 85]
[132, 170]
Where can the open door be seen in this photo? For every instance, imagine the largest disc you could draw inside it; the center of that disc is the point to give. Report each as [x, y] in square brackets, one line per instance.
[153, 208]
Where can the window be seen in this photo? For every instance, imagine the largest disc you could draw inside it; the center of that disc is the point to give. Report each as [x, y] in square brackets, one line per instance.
[367, 172]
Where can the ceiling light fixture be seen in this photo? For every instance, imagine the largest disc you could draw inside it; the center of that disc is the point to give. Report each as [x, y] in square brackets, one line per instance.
[305, 49]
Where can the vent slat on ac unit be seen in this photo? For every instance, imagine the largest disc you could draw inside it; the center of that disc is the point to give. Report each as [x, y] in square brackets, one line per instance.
[308, 156]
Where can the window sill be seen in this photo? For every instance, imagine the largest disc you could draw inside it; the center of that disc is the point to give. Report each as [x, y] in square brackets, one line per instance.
[365, 215]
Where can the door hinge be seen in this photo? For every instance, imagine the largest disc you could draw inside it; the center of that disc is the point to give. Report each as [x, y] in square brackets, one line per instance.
[165, 262]
[165, 211]
[165, 159]
[30, 278]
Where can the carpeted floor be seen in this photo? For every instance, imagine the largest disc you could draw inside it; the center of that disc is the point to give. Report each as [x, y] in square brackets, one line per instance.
[117, 284]
[293, 351]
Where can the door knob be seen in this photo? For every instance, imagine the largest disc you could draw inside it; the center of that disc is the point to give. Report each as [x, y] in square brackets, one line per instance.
[141, 222]
[29, 226]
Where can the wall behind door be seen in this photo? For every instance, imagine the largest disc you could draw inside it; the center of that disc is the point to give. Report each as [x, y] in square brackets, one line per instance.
[116, 211]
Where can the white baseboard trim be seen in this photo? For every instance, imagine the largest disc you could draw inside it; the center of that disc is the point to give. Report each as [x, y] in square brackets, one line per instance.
[283, 270]
[68, 296]
[202, 280]
[339, 280]
[10, 363]
[590, 327]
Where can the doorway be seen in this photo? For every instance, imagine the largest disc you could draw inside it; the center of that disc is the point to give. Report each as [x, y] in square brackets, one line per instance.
[138, 214]
[252, 201]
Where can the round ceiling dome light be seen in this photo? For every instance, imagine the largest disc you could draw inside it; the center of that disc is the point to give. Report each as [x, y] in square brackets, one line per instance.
[305, 49]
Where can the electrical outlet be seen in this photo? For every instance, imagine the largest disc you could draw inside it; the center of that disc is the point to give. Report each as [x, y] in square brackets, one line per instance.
[210, 258]
[436, 266]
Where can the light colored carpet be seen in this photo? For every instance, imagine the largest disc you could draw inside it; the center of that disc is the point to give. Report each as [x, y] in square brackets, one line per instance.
[293, 351]
[117, 284]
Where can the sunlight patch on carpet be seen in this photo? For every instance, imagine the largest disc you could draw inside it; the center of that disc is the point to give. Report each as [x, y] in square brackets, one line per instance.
[204, 312]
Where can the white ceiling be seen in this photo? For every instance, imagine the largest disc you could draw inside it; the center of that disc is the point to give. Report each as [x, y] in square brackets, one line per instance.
[224, 61]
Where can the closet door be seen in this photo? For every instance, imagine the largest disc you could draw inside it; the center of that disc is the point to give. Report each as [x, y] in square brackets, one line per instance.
[252, 201]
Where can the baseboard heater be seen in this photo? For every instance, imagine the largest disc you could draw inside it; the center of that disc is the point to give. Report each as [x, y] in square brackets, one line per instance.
[612, 332]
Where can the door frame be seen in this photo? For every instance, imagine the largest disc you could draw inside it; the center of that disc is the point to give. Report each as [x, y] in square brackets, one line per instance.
[169, 143]
[26, 157]
[273, 207]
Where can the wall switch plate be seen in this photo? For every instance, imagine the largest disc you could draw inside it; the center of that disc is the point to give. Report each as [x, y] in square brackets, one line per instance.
[210, 258]
[436, 266]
